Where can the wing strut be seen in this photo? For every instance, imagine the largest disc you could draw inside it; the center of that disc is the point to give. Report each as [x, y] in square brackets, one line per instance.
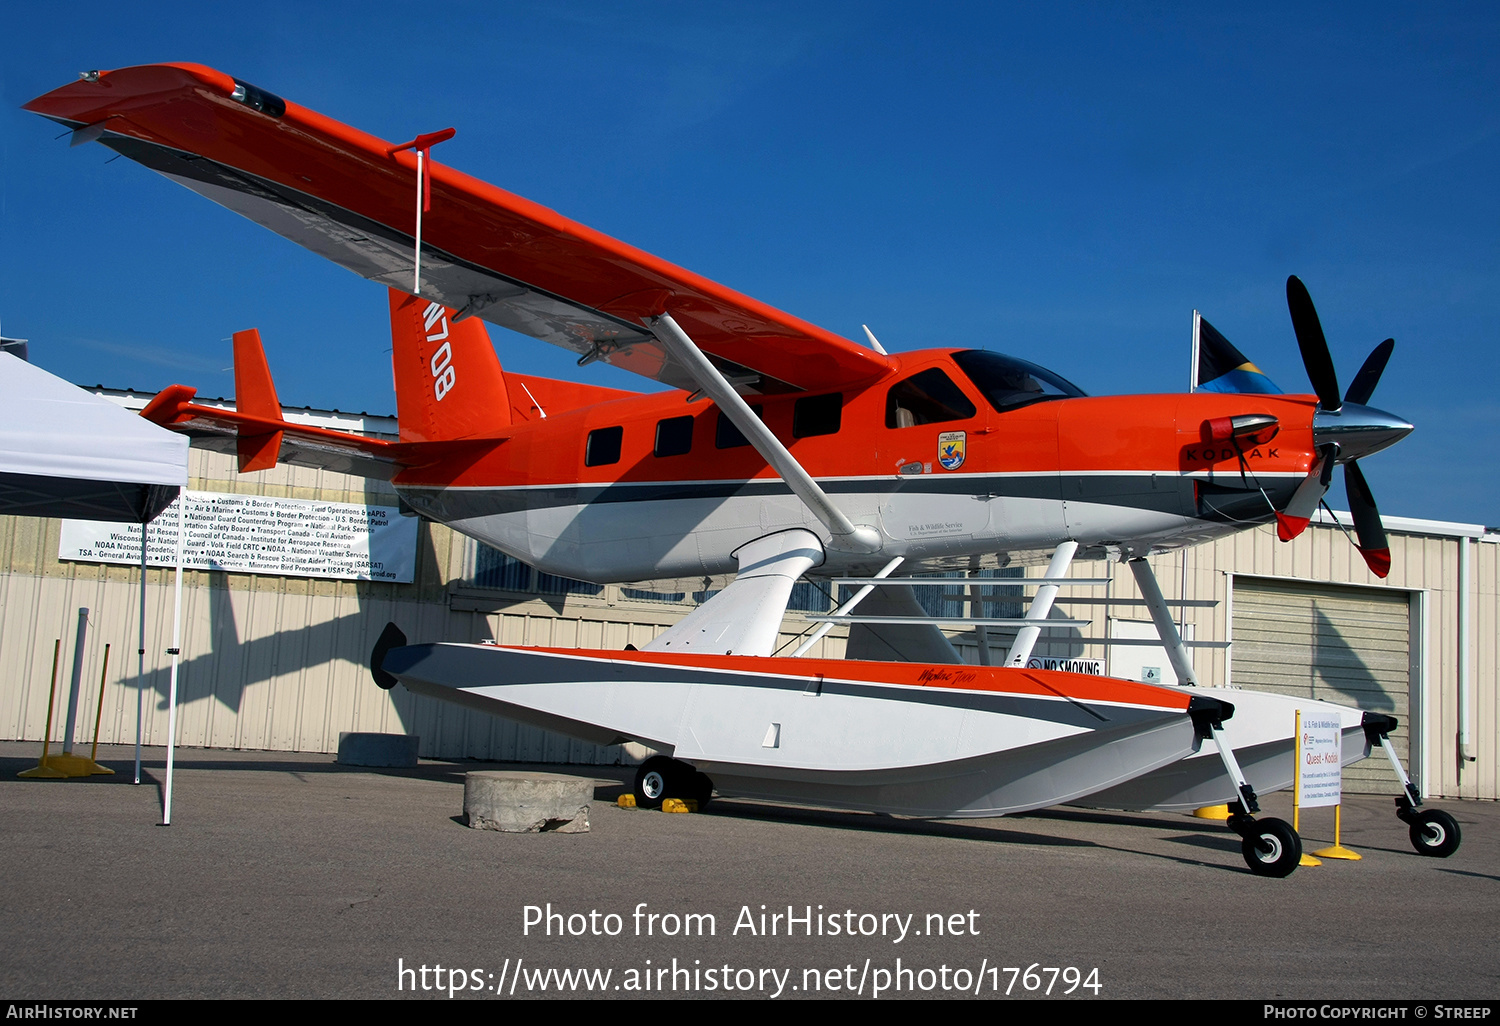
[846, 535]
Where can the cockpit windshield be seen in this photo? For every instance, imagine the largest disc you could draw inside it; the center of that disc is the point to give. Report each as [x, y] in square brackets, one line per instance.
[1009, 383]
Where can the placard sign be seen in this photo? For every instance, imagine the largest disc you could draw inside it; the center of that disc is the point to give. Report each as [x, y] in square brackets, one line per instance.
[254, 534]
[1319, 773]
[1090, 666]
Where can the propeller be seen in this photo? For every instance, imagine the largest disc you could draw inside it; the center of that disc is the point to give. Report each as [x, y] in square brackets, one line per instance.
[1367, 526]
[1369, 374]
[1344, 425]
[1314, 346]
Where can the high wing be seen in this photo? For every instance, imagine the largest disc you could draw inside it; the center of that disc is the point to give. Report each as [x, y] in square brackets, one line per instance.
[485, 252]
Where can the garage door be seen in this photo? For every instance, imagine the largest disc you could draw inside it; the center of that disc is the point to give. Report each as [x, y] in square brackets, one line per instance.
[1351, 646]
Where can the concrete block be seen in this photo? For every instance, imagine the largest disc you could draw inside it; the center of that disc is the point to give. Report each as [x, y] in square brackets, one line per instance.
[357, 749]
[521, 803]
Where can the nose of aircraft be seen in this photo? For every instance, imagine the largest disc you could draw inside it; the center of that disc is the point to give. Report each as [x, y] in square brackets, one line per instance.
[1358, 430]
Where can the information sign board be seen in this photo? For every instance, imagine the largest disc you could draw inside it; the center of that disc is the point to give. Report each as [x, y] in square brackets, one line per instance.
[256, 534]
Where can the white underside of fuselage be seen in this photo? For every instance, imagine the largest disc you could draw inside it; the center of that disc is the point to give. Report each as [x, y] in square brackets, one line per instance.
[613, 537]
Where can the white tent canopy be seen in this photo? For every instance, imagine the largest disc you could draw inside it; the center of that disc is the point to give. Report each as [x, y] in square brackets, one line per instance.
[67, 453]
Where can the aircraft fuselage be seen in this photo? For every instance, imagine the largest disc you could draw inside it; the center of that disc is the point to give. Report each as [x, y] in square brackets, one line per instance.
[653, 486]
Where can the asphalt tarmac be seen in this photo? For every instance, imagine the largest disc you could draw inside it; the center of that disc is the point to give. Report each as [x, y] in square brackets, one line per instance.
[285, 875]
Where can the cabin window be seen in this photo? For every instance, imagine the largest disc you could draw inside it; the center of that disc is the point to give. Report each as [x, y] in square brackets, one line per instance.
[727, 436]
[674, 436]
[930, 397]
[603, 447]
[817, 415]
[1009, 383]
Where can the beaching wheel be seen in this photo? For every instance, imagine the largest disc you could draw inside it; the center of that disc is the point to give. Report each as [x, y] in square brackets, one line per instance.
[1272, 848]
[658, 779]
[1434, 833]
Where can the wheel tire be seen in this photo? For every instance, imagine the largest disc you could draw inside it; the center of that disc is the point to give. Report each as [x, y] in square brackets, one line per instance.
[658, 779]
[1435, 833]
[703, 789]
[1272, 848]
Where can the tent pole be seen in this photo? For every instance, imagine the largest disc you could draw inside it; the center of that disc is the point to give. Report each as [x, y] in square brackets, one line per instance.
[140, 657]
[175, 650]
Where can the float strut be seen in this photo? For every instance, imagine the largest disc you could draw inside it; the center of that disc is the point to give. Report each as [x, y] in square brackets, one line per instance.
[1145, 579]
[1041, 605]
[1248, 801]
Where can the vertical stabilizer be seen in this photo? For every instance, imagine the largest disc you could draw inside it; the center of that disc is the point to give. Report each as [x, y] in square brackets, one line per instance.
[255, 396]
[448, 379]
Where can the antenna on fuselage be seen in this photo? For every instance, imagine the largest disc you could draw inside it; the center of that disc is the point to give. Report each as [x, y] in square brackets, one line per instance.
[874, 342]
[533, 399]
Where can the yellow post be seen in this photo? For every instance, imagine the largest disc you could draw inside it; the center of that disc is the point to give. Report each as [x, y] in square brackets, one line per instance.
[1338, 851]
[1307, 860]
[99, 712]
[42, 771]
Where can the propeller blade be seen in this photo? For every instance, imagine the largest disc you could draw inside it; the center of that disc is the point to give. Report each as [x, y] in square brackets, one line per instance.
[1367, 527]
[1314, 346]
[1293, 520]
[1369, 375]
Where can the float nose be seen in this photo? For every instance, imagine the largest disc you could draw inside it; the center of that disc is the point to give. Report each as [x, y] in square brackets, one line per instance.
[1358, 430]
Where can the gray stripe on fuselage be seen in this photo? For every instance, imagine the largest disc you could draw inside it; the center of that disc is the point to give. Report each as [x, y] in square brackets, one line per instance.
[1162, 493]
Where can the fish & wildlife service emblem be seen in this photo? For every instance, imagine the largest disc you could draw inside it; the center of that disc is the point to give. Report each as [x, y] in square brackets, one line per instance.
[951, 447]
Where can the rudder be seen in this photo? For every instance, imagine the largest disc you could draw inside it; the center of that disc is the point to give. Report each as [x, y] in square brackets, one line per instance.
[449, 383]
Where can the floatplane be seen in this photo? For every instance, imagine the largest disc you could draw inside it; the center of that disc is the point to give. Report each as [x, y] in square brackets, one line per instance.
[780, 448]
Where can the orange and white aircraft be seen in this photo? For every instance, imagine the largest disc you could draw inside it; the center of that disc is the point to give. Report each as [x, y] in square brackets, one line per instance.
[812, 451]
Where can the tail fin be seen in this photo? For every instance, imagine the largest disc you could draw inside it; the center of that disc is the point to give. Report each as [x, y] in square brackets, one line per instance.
[448, 379]
[255, 396]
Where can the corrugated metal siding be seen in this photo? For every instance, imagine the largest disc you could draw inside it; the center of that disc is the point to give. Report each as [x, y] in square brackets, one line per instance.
[1349, 646]
[1482, 777]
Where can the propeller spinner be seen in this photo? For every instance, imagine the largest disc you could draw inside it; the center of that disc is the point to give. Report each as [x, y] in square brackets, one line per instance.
[1344, 430]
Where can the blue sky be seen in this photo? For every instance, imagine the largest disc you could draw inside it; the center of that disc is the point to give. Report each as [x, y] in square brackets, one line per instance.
[1062, 182]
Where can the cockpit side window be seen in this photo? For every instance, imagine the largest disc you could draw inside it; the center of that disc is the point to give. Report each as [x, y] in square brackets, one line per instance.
[930, 397]
[1009, 383]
